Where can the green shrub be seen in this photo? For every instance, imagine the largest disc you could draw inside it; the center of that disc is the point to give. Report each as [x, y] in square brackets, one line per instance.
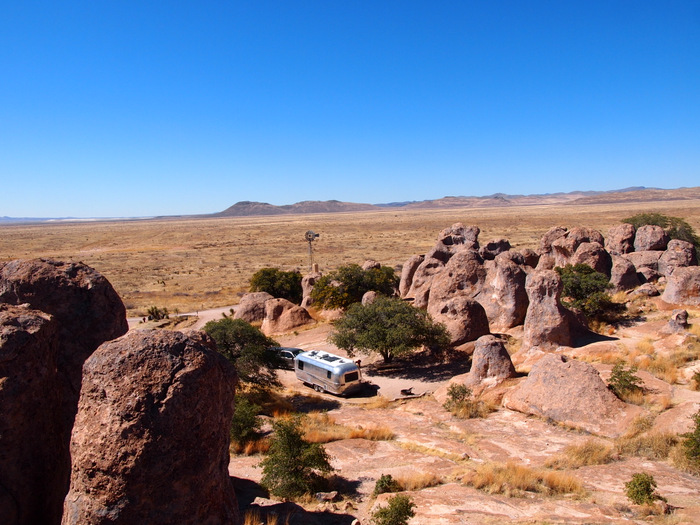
[460, 403]
[397, 512]
[623, 382]
[247, 348]
[245, 425]
[389, 327]
[347, 285]
[157, 314]
[675, 227]
[384, 484]
[585, 290]
[293, 466]
[691, 442]
[278, 283]
[641, 489]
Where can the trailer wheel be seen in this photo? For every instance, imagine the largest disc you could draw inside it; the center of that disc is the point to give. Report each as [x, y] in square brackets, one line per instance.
[319, 389]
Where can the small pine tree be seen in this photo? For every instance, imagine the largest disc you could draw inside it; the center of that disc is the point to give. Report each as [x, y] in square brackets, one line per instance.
[397, 512]
[691, 443]
[293, 466]
[245, 424]
[385, 484]
[623, 382]
[641, 489]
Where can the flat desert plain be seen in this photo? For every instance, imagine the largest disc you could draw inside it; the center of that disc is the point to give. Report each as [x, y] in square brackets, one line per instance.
[189, 264]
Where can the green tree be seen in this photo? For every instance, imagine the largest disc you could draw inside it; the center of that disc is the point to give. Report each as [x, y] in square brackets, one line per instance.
[386, 483]
[389, 327]
[623, 382]
[278, 283]
[397, 512]
[293, 466]
[691, 442]
[247, 348]
[347, 285]
[675, 227]
[586, 290]
[641, 489]
[245, 425]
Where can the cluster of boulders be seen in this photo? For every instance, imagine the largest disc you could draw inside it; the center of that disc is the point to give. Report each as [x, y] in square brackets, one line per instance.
[98, 428]
[277, 315]
[475, 290]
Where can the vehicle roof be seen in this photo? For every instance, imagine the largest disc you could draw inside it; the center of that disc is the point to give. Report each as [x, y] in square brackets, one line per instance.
[327, 359]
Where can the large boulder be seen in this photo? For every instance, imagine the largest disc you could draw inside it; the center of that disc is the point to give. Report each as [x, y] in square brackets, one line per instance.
[463, 274]
[503, 293]
[554, 233]
[678, 254]
[371, 264]
[620, 239]
[150, 443]
[547, 323]
[564, 247]
[87, 312]
[494, 247]
[573, 393]
[433, 262]
[282, 316]
[407, 271]
[646, 263]
[458, 234]
[594, 255]
[31, 436]
[623, 275]
[251, 308]
[683, 286]
[307, 285]
[650, 237]
[464, 318]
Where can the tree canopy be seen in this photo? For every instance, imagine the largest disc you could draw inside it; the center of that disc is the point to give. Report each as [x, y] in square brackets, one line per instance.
[347, 285]
[586, 290]
[389, 327]
[247, 348]
[675, 227]
[278, 283]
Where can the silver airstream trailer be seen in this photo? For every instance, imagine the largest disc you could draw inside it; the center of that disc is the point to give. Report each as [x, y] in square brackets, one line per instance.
[327, 372]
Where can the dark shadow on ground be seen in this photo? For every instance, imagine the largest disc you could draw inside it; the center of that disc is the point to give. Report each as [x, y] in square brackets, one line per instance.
[247, 491]
[423, 365]
[312, 403]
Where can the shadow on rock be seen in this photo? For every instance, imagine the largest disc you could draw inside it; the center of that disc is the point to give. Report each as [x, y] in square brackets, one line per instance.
[422, 366]
[312, 403]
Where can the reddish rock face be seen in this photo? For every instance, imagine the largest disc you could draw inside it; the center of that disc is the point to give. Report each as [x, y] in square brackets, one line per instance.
[493, 248]
[678, 254]
[283, 316]
[547, 323]
[650, 237]
[683, 286]
[573, 393]
[594, 255]
[251, 308]
[32, 482]
[463, 274]
[503, 294]
[620, 239]
[464, 318]
[490, 361]
[86, 311]
[565, 247]
[407, 272]
[623, 275]
[150, 443]
[548, 238]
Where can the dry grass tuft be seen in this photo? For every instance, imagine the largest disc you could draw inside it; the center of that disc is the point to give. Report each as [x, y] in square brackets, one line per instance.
[252, 517]
[251, 448]
[319, 427]
[430, 451]
[512, 479]
[418, 481]
[591, 452]
[645, 346]
[660, 366]
[378, 402]
[652, 445]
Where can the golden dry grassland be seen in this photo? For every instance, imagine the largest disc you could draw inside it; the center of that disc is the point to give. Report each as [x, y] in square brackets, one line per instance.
[191, 264]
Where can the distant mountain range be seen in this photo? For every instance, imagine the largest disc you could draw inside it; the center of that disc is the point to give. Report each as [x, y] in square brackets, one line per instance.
[634, 194]
[249, 209]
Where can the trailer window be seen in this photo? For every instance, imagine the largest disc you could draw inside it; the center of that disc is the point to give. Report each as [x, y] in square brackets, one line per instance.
[328, 374]
[300, 365]
[352, 376]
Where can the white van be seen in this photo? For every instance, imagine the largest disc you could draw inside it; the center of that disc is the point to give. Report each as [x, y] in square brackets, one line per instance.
[327, 372]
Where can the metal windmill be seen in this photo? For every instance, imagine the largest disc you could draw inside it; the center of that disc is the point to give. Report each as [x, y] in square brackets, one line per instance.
[310, 236]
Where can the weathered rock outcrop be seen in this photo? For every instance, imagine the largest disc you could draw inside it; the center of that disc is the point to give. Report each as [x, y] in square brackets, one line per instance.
[547, 323]
[283, 316]
[463, 274]
[549, 237]
[369, 297]
[86, 311]
[307, 285]
[573, 393]
[464, 318]
[678, 321]
[407, 272]
[150, 443]
[31, 434]
[678, 254]
[683, 286]
[251, 308]
[494, 247]
[503, 293]
[565, 247]
[594, 255]
[646, 263]
[623, 275]
[650, 237]
[371, 264]
[620, 239]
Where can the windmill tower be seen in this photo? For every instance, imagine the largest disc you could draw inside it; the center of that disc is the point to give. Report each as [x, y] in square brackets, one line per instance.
[310, 236]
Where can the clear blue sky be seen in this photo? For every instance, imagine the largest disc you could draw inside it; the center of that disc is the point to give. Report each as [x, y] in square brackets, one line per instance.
[132, 108]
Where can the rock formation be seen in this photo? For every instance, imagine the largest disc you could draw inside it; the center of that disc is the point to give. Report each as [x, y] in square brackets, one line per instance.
[86, 312]
[283, 316]
[503, 293]
[251, 308]
[573, 393]
[620, 239]
[150, 443]
[650, 237]
[623, 275]
[678, 254]
[678, 321]
[307, 285]
[493, 248]
[683, 286]
[464, 318]
[407, 272]
[547, 323]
